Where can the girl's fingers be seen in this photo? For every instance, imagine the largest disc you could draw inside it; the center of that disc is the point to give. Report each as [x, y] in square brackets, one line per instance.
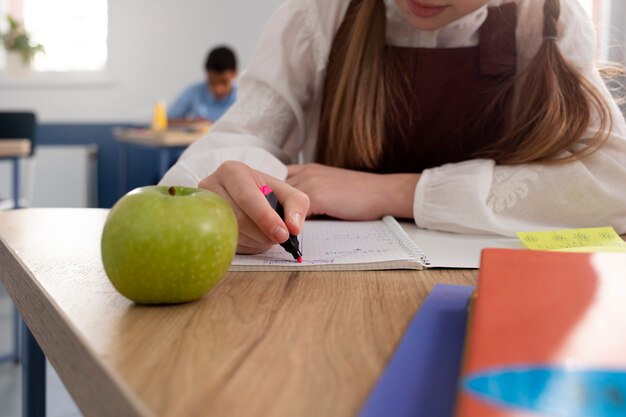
[295, 204]
[250, 235]
[242, 185]
[294, 169]
[293, 181]
[247, 250]
[259, 224]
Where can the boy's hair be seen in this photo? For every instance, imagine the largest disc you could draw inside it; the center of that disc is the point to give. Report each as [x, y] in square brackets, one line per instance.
[221, 59]
[552, 109]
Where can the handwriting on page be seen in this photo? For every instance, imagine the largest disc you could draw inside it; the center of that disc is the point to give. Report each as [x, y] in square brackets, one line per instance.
[328, 242]
[597, 239]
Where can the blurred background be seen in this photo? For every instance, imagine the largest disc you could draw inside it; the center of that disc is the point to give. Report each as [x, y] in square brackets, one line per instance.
[109, 65]
[106, 64]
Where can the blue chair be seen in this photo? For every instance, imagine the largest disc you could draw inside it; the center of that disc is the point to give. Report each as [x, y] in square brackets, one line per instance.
[17, 133]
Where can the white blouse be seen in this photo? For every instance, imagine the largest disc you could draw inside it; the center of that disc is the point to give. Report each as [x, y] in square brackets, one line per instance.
[275, 122]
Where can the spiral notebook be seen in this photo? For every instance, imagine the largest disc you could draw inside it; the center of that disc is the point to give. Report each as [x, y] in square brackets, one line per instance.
[333, 245]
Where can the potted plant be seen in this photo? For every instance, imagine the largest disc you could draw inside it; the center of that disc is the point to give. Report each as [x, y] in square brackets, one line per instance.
[19, 46]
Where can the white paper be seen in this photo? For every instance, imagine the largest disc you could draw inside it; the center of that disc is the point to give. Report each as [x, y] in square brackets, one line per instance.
[386, 244]
[451, 250]
[342, 245]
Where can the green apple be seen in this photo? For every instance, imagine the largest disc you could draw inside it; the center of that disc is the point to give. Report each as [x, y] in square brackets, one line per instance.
[164, 245]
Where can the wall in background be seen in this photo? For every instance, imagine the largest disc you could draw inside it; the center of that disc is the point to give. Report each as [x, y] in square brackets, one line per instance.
[156, 48]
[617, 32]
[55, 176]
[141, 167]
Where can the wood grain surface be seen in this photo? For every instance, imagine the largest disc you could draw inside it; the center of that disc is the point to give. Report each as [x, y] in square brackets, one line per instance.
[259, 344]
[11, 148]
[164, 138]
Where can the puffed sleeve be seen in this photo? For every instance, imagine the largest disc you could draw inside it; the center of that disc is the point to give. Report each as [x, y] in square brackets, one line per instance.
[273, 94]
[479, 196]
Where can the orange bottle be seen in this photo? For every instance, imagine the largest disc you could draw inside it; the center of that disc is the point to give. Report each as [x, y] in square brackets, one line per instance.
[159, 116]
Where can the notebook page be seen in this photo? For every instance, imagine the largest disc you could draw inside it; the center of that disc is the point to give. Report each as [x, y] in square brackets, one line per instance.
[452, 250]
[333, 244]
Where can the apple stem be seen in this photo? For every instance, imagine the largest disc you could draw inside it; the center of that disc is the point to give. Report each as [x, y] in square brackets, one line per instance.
[172, 191]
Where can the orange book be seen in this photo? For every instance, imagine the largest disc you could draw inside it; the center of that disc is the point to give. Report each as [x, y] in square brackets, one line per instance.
[546, 337]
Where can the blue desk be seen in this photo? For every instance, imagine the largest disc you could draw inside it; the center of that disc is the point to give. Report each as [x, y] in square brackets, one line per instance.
[34, 361]
[13, 150]
[167, 143]
[13, 356]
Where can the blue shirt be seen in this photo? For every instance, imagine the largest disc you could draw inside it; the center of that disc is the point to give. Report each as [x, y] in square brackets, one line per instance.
[198, 102]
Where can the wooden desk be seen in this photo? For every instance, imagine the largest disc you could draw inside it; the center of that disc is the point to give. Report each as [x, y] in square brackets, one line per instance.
[160, 138]
[165, 142]
[14, 148]
[260, 344]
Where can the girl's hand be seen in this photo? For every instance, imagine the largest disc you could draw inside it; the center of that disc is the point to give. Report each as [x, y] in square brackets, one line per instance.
[260, 227]
[354, 195]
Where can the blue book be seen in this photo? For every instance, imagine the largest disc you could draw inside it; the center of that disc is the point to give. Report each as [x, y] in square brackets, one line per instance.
[421, 378]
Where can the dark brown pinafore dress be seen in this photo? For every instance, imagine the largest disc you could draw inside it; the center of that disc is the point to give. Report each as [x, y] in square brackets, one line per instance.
[446, 94]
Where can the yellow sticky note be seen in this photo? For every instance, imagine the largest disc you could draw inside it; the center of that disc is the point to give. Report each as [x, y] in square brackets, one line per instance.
[572, 238]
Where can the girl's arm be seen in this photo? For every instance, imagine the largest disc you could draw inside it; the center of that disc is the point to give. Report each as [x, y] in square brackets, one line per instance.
[354, 195]
[478, 196]
[265, 127]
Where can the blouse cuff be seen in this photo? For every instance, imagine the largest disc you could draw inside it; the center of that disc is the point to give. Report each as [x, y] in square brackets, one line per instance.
[453, 197]
[185, 172]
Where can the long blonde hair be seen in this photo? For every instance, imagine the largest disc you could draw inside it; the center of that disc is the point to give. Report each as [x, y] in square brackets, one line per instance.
[356, 93]
[552, 109]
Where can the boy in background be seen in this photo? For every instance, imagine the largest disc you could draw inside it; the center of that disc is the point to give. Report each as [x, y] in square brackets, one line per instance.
[208, 100]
